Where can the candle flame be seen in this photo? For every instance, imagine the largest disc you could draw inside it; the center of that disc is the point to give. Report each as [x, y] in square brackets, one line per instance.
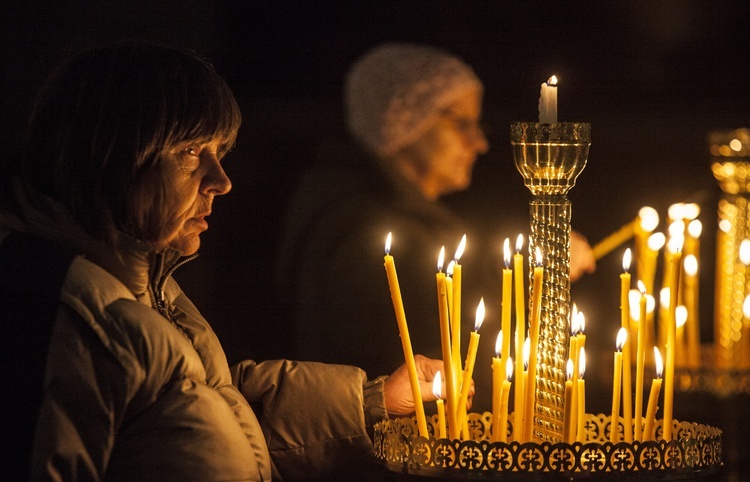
[506, 252]
[745, 252]
[691, 265]
[656, 241]
[569, 369]
[460, 249]
[519, 243]
[552, 81]
[480, 315]
[581, 322]
[449, 269]
[509, 369]
[692, 210]
[582, 363]
[650, 304]
[526, 353]
[538, 256]
[746, 307]
[664, 298]
[499, 344]
[649, 218]
[641, 288]
[677, 228]
[675, 243]
[634, 297]
[388, 243]
[680, 315]
[437, 385]
[441, 258]
[622, 337]
[626, 258]
[574, 327]
[695, 228]
[658, 363]
[676, 211]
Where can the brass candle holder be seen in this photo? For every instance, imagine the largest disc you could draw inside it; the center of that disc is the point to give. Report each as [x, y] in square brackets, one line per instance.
[550, 157]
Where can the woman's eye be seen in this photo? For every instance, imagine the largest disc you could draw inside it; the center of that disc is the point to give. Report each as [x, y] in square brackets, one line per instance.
[192, 151]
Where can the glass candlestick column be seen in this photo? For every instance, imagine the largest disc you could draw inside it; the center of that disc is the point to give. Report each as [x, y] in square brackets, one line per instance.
[730, 164]
[550, 157]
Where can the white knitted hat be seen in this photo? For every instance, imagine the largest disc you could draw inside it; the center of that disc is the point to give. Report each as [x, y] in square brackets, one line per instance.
[396, 91]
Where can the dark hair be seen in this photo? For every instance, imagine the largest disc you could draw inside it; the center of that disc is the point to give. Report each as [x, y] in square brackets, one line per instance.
[103, 119]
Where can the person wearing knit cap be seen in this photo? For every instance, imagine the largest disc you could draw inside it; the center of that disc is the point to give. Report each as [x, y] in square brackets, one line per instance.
[414, 112]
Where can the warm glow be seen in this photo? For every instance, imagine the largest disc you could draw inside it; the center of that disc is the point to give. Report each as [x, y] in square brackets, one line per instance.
[745, 252]
[519, 243]
[658, 363]
[552, 80]
[691, 265]
[569, 369]
[677, 228]
[675, 243]
[622, 337]
[695, 228]
[581, 322]
[680, 315]
[650, 304]
[449, 269]
[526, 352]
[691, 211]
[441, 258]
[649, 218]
[388, 243]
[582, 362]
[460, 249]
[735, 145]
[641, 287]
[574, 321]
[634, 297]
[480, 315]
[437, 385]
[499, 344]
[656, 241]
[746, 307]
[626, 258]
[506, 252]
[676, 211]
[725, 225]
[664, 298]
[538, 256]
[509, 369]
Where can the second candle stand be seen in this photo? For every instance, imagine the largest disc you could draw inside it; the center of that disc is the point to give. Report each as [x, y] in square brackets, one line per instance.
[550, 157]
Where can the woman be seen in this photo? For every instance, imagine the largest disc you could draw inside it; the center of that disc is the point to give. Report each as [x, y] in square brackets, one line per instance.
[116, 374]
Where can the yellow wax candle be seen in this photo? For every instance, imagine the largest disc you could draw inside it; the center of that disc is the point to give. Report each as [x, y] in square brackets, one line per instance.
[581, 430]
[471, 356]
[568, 432]
[450, 380]
[650, 258]
[680, 352]
[574, 352]
[518, 403]
[648, 219]
[506, 301]
[403, 329]
[653, 398]
[497, 385]
[456, 313]
[639, 362]
[437, 390]
[670, 348]
[536, 309]
[519, 421]
[581, 330]
[504, 396]
[690, 298]
[627, 386]
[614, 434]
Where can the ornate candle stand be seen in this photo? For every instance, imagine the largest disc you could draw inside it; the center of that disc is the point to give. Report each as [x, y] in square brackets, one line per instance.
[550, 157]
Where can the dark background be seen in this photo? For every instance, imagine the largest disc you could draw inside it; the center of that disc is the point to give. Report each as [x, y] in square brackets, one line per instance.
[653, 78]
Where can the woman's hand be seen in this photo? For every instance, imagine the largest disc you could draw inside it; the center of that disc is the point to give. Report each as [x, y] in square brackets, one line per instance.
[397, 388]
[581, 256]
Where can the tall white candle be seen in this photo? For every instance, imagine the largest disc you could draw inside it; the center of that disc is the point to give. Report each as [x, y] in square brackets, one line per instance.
[548, 102]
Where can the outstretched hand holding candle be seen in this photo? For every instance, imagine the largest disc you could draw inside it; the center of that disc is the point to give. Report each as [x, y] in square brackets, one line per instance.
[397, 390]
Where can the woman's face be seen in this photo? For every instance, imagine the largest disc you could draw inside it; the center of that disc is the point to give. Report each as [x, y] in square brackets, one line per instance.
[444, 156]
[192, 176]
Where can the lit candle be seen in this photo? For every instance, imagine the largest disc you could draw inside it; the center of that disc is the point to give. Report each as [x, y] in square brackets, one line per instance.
[536, 308]
[506, 303]
[548, 102]
[471, 356]
[456, 313]
[518, 403]
[627, 386]
[653, 398]
[497, 385]
[681, 317]
[437, 390]
[614, 434]
[674, 269]
[520, 421]
[647, 220]
[403, 329]
[581, 430]
[581, 329]
[575, 346]
[653, 246]
[639, 361]
[445, 341]
[504, 395]
[690, 298]
[568, 433]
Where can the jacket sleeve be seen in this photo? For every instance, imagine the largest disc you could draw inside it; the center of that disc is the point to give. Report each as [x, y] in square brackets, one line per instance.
[315, 416]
